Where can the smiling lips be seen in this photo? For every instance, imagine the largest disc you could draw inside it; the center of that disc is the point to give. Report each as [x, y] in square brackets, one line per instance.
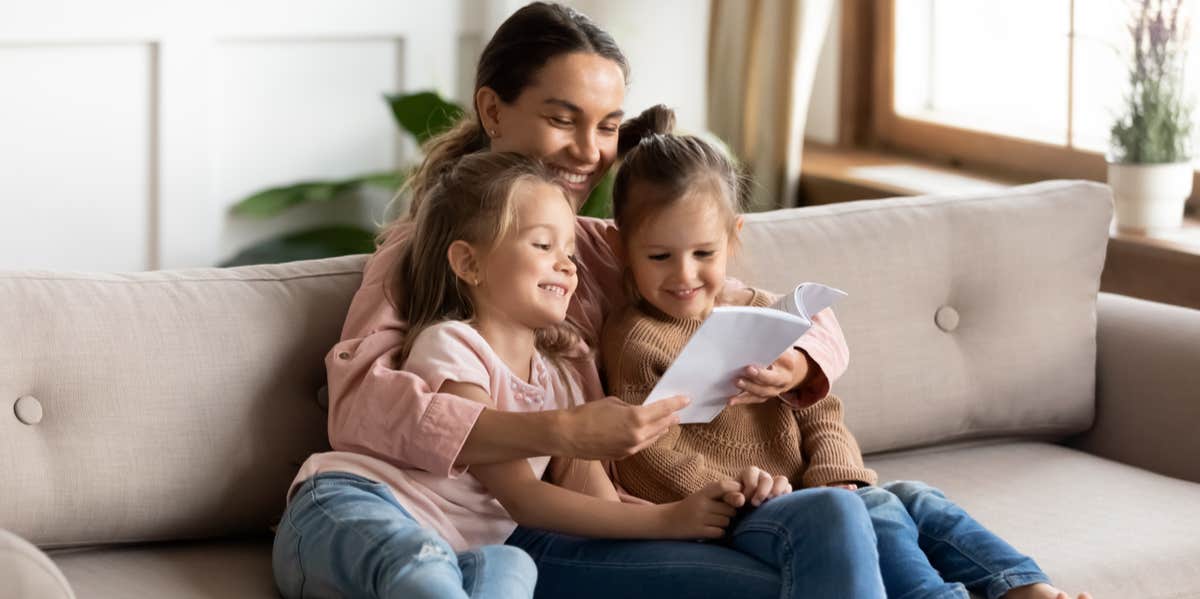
[556, 289]
[684, 295]
[571, 177]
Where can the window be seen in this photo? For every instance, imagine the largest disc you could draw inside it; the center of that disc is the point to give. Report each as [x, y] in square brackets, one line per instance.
[1024, 85]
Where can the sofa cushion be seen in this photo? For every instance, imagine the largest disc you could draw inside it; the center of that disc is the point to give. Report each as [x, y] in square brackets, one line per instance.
[1091, 524]
[199, 570]
[968, 315]
[172, 404]
[27, 572]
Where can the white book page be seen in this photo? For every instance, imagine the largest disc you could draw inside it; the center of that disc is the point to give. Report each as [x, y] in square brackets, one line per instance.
[807, 299]
[730, 339]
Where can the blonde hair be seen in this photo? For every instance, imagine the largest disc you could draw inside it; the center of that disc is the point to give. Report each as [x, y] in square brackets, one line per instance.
[472, 201]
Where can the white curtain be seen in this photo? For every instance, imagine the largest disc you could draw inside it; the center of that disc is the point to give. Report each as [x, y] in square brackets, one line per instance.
[762, 58]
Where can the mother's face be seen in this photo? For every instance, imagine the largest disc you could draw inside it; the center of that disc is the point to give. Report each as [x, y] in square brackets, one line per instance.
[567, 116]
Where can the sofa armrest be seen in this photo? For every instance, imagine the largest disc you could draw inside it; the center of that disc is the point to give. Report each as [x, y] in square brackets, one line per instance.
[1147, 386]
[27, 572]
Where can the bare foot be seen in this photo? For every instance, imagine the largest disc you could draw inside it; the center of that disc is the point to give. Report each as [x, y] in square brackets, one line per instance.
[1040, 590]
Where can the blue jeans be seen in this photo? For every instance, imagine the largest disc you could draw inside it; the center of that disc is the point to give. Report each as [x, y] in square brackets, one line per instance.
[343, 535]
[809, 543]
[930, 547]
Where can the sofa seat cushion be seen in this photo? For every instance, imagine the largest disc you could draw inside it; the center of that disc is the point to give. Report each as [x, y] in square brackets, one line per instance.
[1090, 523]
[178, 570]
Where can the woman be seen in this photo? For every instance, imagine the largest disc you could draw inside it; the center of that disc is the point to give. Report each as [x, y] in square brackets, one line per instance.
[550, 84]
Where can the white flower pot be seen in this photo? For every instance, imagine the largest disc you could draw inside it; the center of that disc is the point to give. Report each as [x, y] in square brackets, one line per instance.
[1148, 197]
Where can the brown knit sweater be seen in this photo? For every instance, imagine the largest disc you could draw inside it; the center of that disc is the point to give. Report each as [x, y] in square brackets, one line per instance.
[812, 446]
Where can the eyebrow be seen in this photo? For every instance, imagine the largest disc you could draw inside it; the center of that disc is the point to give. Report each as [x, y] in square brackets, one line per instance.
[576, 109]
[530, 227]
[704, 245]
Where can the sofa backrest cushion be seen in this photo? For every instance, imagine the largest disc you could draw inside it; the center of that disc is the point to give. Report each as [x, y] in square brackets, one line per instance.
[171, 404]
[967, 316]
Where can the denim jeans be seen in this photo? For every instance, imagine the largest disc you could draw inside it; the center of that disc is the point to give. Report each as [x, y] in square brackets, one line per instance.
[343, 535]
[809, 543]
[929, 547]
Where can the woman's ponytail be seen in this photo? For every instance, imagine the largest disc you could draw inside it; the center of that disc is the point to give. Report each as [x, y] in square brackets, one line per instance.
[656, 120]
[441, 153]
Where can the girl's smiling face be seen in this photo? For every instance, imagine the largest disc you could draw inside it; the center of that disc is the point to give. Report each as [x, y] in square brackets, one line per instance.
[529, 276]
[678, 256]
[568, 117]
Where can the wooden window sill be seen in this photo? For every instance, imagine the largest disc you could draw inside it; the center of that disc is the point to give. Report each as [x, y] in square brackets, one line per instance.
[1159, 266]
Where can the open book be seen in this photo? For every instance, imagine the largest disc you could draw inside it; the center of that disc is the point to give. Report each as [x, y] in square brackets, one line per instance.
[731, 338]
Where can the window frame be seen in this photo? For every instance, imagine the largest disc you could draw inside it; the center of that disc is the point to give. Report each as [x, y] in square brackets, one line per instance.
[1020, 158]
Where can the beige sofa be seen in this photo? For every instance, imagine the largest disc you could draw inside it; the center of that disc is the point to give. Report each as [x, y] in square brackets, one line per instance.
[150, 423]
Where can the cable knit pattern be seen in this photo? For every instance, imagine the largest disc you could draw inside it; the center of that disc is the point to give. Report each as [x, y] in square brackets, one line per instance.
[638, 345]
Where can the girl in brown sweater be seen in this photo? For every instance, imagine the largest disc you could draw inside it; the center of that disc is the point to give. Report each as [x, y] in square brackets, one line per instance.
[675, 202]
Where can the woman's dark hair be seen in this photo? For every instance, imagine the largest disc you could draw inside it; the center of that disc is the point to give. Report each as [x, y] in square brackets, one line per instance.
[523, 44]
[674, 164]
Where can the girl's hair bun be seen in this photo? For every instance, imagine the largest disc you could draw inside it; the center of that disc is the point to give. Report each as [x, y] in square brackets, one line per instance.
[656, 120]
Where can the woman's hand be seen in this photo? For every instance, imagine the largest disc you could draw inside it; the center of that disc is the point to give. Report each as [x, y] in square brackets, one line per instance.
[760, 384]
[704, 514]
[610, 429]
[759, 486]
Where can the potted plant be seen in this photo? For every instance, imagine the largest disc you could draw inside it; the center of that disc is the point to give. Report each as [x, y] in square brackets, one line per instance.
[1149, 164]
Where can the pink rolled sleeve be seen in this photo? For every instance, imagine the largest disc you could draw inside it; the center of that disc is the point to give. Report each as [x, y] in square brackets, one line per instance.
[826, 345]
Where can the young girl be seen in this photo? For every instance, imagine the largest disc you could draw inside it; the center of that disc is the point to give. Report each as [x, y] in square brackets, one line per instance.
[675, 203]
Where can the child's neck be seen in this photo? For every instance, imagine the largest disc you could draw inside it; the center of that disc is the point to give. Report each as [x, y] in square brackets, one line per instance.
[515, 343]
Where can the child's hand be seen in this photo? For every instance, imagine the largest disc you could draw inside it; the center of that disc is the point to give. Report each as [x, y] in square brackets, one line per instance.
[702, 515]
[847, 486]
[760, 384]
[759, 486]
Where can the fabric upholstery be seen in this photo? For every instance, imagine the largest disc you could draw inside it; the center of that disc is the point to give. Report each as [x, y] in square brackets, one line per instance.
[174, 404]
[1092, 524]
[1148, 394]
[1020, 268]
[27, 572]
[200, 570]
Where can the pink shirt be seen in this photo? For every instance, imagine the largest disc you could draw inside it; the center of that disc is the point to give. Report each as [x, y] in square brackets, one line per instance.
[458, 507]
[396, 417]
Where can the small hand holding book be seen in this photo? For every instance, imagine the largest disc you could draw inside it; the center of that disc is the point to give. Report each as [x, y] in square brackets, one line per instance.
[729, 339]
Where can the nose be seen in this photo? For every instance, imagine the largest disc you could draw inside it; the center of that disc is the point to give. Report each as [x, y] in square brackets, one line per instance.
[585, 149]
[565, 264]
[685, 269]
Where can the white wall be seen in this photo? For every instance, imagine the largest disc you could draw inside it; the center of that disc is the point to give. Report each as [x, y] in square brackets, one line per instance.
[128, 127]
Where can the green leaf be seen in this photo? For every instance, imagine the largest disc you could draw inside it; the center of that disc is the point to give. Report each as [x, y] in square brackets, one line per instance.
[423, 114]
[322, 242]
[391, 180]
[599, 202]
[274, 200]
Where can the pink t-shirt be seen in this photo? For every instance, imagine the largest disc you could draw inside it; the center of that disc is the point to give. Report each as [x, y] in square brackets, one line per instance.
[458, 507]
[395, 416]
